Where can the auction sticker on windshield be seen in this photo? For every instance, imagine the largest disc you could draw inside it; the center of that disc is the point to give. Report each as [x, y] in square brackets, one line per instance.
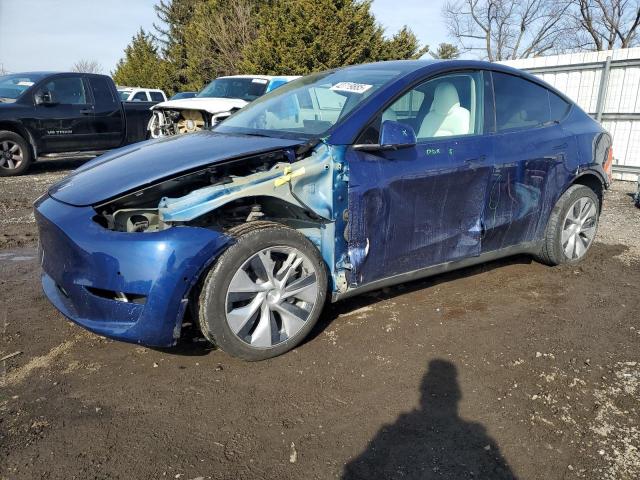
[351, 87]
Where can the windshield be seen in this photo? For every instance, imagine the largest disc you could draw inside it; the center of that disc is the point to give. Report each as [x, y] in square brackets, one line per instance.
[309, 106]
[12, 86]
[247, 89]
[124, 94]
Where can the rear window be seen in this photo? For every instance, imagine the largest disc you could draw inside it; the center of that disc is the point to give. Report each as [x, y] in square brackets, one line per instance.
[519, 103]
[140, 97]
[559, 107]
[102, 93]
[156, 97]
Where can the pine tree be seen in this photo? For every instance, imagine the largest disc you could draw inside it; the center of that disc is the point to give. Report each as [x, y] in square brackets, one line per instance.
[403, 45]
[174, 17]
[446, 51]
[142, 65]
[303, 36]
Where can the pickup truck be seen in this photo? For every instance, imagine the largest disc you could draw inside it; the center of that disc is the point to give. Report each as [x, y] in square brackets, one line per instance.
[45, 114]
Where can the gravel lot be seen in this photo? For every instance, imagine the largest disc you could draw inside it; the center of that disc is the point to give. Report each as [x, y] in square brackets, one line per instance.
[507, 370]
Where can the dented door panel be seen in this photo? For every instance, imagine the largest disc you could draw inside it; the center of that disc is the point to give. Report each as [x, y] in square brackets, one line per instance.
[416, 207]
[527, 175]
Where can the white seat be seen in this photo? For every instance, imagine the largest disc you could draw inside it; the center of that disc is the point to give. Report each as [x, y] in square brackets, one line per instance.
[446, 117]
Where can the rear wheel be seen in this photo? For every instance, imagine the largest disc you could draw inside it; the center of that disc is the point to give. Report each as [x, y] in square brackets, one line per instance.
[572, 226]
[15, 154]
[265, 292]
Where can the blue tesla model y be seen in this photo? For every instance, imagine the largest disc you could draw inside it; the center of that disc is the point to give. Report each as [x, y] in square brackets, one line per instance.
[335, 184]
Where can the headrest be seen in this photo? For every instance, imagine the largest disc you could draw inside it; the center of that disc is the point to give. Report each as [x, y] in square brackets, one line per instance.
[445, 98]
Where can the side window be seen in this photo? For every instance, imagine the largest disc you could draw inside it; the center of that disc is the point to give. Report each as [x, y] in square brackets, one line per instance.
[559, 107]
[519, 103]
[446, 106]
[102, 93]
[156, 97]
[67, 90]
[139, 97]
[406, 108]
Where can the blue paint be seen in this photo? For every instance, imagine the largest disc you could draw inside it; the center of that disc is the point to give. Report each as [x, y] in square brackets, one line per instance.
[131, 168]
[382, 212]
[161, 266]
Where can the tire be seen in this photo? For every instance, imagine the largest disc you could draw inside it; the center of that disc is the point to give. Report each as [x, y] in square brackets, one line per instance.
[15, 154]
[573, 222]
[252, 314]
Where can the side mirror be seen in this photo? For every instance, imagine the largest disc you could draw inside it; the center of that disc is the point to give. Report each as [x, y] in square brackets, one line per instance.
[44, 97]
[393, 135]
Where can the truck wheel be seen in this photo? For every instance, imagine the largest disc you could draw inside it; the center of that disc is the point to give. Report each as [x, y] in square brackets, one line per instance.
[15, 154]
[572, 227]
[265, 292]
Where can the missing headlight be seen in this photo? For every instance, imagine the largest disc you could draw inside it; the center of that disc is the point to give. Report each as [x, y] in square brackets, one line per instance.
[131, 220]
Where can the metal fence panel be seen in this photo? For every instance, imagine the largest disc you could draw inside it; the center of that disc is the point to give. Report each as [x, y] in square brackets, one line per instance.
[613, 99]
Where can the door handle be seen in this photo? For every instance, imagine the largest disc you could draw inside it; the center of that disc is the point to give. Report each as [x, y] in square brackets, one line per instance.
[562, 146]
[86, 111]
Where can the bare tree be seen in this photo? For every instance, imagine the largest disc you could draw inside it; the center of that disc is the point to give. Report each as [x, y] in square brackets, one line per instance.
[508, 29]
[86, 66]
[224, 34]
[605, 24]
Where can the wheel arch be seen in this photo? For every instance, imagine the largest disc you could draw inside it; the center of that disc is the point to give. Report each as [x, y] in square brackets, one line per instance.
[23, 132]
[592, 180]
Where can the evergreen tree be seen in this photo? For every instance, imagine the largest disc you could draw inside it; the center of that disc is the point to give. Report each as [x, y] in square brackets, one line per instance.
[402, 46]
[142, 65]
[303, 36]
[199, 40]
[446, 51]
[174, 18]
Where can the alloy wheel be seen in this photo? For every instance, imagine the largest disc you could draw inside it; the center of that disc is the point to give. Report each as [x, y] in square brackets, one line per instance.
[579, 228]
[11, 156]
[271, 296]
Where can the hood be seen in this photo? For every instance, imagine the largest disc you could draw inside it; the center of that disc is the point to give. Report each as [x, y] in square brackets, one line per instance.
[208, 104]
[142, 164]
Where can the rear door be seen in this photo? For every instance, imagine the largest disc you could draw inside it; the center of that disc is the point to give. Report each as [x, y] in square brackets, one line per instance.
[416, 207]
[65, 125]
[107, 124]
[530, 148]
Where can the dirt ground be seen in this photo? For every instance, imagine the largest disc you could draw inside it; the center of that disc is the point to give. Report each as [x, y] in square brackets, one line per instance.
[508, 370]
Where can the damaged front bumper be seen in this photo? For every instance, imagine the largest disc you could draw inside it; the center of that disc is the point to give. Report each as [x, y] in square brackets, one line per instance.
[126, 286]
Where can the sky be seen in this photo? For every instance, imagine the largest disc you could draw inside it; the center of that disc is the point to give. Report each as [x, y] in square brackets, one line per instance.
[55, 34]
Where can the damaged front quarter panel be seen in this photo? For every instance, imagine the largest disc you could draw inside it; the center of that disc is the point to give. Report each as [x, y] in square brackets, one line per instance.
[303, 188]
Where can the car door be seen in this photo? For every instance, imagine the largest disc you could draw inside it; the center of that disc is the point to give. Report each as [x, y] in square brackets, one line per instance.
[65, 122]
[107, 125]
[420, 206]
[530, 147]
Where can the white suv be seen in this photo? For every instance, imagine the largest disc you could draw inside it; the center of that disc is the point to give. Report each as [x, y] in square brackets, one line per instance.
[132, 94]
[212, 104]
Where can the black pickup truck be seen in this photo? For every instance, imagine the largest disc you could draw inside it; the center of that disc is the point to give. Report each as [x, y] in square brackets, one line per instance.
[46, 114]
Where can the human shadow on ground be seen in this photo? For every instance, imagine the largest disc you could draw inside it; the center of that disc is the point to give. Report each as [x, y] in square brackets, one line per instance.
[432, 441]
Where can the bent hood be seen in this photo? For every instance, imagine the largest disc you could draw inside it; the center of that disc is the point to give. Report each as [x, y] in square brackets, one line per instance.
[208, 104]
[142, 164]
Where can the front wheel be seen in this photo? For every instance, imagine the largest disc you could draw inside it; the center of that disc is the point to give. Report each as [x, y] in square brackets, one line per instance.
[572, 226]
[265, 292]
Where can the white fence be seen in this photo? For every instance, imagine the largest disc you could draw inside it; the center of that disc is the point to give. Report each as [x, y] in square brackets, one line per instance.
[607, 86]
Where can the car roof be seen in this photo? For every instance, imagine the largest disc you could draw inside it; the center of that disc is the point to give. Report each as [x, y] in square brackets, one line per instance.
[410, 67]
[263, 77]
